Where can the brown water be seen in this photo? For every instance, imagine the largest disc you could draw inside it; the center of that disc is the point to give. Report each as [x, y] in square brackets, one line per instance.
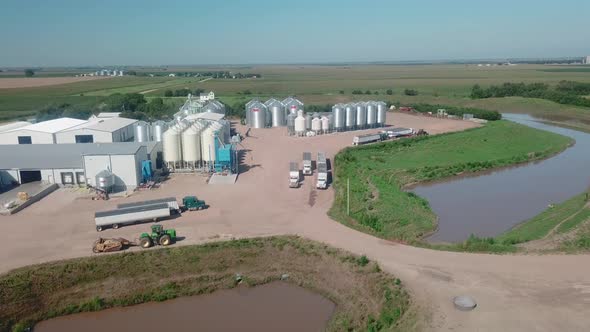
[277, 306]
[494, 202]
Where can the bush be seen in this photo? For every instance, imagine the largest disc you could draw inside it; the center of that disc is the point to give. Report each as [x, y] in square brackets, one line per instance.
[389, 92]
[168, 93]
[410, 92]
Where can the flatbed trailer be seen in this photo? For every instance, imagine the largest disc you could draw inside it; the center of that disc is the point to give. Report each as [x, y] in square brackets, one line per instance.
[125, 216]
[171, 201]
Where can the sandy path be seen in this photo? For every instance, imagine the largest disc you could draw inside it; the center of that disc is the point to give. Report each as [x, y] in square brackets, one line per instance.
[30, 82]
[514, 293]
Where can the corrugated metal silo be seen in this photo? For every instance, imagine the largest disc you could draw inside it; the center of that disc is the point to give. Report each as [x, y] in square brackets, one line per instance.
[141, 131]
[381, 113]
[339, 114]
[277, 112]
[291, 123]
[158, 129]
[350, 116]
[308, 119]
[257, 112]
[361, 115]
[371, 114]
[293, 104]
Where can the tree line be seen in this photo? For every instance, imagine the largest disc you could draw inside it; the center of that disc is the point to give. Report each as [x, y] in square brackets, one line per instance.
[457, 111]
[565, 92]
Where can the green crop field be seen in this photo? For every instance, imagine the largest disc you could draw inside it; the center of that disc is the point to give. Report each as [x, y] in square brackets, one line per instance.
[324, 84]
[378, 173]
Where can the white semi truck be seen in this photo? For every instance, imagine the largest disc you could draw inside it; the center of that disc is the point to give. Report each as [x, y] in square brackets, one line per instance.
[322, 171]
[368, 138]
[307, 170]
[293, 175]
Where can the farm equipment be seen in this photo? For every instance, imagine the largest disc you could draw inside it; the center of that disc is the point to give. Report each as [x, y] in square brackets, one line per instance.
[110, 245]
[158, 236]
[192, 203]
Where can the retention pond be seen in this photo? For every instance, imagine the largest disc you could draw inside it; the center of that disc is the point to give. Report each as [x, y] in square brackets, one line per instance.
[493, 202]
[277, 306]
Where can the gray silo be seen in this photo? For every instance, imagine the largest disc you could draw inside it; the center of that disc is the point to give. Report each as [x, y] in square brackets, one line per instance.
[277, 112]
[381, 113]
[350, 122]
[371, 114]
[141, 132]
[308, 119]
[158, 129]
[257, 112]
[339, 117]
[291, 123]
[292, 104]
[361, 115]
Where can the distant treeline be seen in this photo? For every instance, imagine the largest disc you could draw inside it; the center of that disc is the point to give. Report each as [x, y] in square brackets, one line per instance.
[565, 92]
[458, 111]
[212, 74]
[182, 92]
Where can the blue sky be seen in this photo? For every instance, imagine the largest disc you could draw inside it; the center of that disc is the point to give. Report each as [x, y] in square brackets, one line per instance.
[148, 32]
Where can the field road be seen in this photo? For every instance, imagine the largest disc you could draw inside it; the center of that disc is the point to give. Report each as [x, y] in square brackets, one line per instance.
[514, 292]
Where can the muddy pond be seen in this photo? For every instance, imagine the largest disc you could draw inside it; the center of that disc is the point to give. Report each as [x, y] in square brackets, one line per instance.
[493, 202]
[277, 306]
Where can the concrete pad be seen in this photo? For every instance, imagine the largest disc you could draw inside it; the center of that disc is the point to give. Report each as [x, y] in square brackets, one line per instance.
[223, 179]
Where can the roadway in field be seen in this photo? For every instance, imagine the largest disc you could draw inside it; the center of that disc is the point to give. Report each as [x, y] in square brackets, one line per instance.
[514, 292]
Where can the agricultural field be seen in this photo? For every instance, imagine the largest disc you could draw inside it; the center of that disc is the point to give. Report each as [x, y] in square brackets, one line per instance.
[379, 173]
[325, 84]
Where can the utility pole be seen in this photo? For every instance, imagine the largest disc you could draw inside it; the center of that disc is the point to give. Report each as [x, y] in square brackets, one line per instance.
[348, 196]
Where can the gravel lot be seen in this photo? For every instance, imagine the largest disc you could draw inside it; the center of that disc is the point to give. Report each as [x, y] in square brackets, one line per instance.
[514, 293]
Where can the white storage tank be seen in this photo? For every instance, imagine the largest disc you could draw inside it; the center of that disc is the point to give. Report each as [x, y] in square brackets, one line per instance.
[191, 143]
[325, 124]
[158, 129]
[171, 145]
[141, 132]
[339, 115]
[316, 124]
[300, 124]
[209, 136]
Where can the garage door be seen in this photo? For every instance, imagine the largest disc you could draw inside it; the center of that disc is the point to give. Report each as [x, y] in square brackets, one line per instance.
[30, 176]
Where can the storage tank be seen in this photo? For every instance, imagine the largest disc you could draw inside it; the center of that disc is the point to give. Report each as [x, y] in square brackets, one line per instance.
[171, 145]
[381, 113]
[361, 115]
[158, 129]
[105, 180]
[226, 131]
[209, 137]
[191, 143]
[339, 114]
[371, 114]
[331, 120]
[292, 104]
[350, 116]
[141, 132]
[308, 119]
[277, 112]
[291, 123]
[316, 124]
[257, 115]
[325, 124]
[300, 124]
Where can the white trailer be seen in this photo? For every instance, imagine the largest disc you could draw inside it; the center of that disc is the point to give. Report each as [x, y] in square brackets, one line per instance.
[322, 166]
[119, 217]
[293, 175]
[307, 169]
[171, 201]
[400, 132]
[364, 139]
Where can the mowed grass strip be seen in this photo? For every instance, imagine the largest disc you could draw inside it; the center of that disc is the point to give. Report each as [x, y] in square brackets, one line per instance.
[378, 173]
[540, 225]
[366, 298]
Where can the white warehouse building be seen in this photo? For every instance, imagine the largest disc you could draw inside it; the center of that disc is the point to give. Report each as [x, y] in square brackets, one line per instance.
[68, 130]
[77, 164]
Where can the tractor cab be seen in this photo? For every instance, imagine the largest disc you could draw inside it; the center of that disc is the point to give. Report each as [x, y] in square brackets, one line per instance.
[159, 235]
[192, 203]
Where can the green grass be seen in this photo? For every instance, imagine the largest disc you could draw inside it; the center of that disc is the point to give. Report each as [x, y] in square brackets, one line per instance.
[575, 221]
[378, 172]
[366, 297]
[540, 225]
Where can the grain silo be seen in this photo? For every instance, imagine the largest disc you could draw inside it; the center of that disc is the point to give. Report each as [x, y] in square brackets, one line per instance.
[350, 122]
[371, 114]
[278, 114]
[316, 125]
[141, 132]
[325, 124]
[339, 113]
[209, 140]
[158, 129]
[291, 124]
[293, 105]
[308, 119]
[300, 124]
[172, 147]
[257, 112]
[381, 113]
[191, 145]
[361, 115]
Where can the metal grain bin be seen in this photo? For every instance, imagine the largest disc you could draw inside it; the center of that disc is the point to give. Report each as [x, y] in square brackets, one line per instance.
[339, 115]
[293, 105]
[371, 114]
[277, 112]
[381, 113]
[308, 119]
[291, 123]
[350, 122]
[361, 115]
[257, 112]
[158, 129]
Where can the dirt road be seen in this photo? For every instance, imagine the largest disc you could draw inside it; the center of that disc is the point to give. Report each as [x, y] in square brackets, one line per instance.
[30, 82]
[514, 293]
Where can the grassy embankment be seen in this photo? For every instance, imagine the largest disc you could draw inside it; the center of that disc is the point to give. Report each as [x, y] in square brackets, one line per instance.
[366, 298]
[379, 172]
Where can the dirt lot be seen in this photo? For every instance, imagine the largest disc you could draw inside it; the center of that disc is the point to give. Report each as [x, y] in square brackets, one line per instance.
[514, 293]
[29, 82]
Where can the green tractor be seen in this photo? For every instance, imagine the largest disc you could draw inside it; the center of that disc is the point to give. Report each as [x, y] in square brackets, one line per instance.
[192, 203]
[159, 235]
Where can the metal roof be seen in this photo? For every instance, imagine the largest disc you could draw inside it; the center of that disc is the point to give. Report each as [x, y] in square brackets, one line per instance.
[55, 156]
[53, 126]
[108, 114]
[105, 124]
[206, 116]
[13, 125]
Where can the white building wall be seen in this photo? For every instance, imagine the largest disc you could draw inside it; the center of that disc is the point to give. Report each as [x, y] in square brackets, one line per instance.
[95, 164]
[37, 137]
[70, 136]
[55, 175]
[125, 169]
[125, 134]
